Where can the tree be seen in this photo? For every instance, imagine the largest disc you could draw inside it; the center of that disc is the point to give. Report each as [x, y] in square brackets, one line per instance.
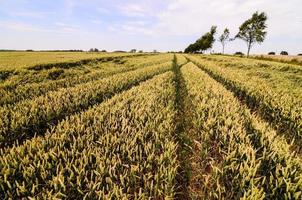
[207, 40]
[284, 53]
[239, 53]
[224, 38]
[192, 48]
[133, 51]
[253, 30]
[203, 43]
[93, 50]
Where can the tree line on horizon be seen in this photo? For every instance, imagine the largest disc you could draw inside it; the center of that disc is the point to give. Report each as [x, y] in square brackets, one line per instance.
[251, 31]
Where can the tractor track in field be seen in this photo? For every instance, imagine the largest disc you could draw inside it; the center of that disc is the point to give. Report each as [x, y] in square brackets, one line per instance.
[183, 125]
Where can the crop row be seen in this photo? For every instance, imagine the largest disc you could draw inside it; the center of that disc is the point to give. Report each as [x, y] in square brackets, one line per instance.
[254, 64]
[10, 66]
[26, 76]
[280, 105]
[181, 60]
[32, 90]
[29, 91]
[8, 60]
[235, 155]
[270, 73]
[142, 61]
[24, 119]
[67, 65]
[121, 149]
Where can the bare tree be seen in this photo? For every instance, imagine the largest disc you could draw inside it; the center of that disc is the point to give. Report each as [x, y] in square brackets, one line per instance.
[224, 38]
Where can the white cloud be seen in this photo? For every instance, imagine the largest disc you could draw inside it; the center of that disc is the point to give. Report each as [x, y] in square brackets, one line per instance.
[62, 24]
[96, 21]
[20, 26]
[191, 17]
[168, 24]
[131, 28]
[58, 28]
[32, 14]
[103, 10]
[133, 10]
[138, 22]
[69, 6]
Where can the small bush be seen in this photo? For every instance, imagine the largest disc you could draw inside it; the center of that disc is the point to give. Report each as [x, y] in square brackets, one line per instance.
[271, 53]
[93, 50]
[285, 53]
[239, 53]
[299, 54]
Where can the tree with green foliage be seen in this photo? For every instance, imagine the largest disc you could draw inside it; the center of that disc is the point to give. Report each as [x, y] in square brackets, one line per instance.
[192, 48]
[224, 38]
[207, 40]
[284, 53]
[203, 43]
[253, 30]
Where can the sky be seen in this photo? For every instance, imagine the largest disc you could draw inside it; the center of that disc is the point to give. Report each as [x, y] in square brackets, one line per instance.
[162, 25]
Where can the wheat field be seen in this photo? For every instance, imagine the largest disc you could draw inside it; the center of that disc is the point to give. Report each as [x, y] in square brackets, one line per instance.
[149, 126]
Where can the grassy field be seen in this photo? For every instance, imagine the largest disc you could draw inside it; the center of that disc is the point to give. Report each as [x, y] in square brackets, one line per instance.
[160, 126]
[281, 58]
[13, 60]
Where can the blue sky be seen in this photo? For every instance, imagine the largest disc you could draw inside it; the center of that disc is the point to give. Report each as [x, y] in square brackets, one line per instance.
[147, 25]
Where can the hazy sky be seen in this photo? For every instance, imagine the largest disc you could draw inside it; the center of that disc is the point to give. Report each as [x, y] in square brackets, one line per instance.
[143, 24]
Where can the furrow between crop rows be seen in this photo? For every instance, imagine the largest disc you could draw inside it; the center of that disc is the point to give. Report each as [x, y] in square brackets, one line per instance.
[182, 123]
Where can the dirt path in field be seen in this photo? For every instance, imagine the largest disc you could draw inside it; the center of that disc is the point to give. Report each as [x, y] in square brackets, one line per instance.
[182, 126]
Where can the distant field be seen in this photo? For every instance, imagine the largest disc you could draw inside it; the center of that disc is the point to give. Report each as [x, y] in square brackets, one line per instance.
[281, 58]
[159, 126]
[12, 60]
